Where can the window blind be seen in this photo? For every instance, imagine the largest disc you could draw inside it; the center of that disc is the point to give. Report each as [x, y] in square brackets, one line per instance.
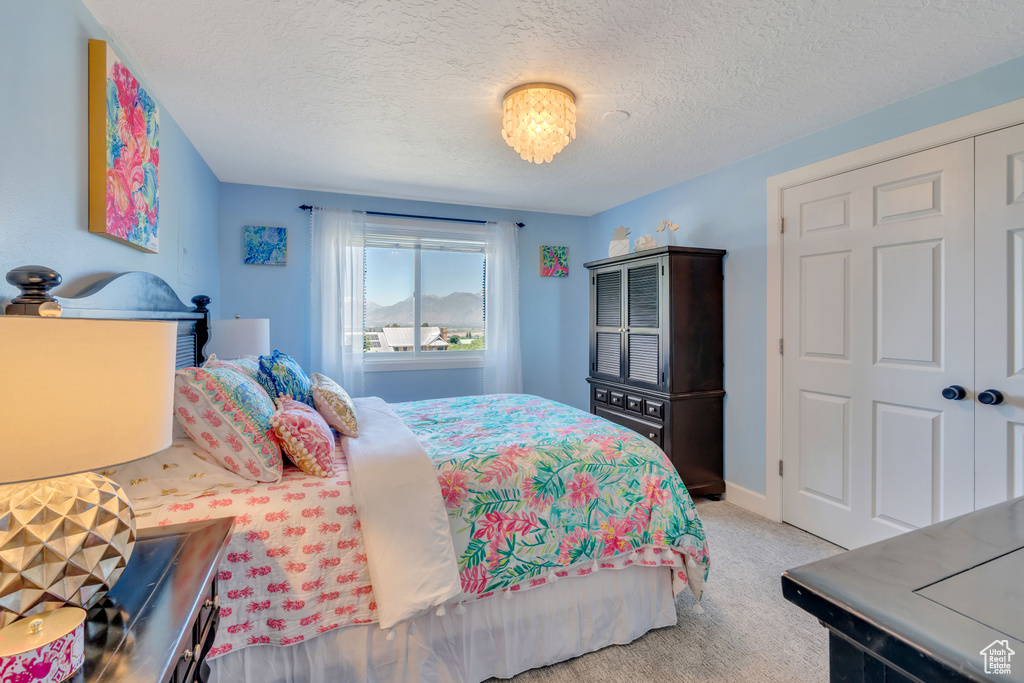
[404, 233]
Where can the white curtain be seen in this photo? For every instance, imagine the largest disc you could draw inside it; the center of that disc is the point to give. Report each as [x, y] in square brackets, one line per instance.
[503, 372]
[336, 315]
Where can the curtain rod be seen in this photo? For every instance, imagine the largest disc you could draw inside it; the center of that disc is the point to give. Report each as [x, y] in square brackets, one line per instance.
[307, 207]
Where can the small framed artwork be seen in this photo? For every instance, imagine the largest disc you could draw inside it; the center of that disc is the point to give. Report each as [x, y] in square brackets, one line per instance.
[554, 261]
[124, 153]
[263, 246]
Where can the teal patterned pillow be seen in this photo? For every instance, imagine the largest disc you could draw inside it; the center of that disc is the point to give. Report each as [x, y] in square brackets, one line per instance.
[247, 365]
[281, 375]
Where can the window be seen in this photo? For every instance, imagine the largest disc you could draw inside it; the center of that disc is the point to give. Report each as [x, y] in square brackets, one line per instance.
[423, 294]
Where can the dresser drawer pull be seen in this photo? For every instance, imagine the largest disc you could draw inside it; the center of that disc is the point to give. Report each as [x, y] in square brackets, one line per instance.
[187, 655]
[650, 436]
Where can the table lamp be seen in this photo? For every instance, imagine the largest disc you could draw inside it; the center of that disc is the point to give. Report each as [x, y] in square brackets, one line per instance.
[78, 395]
[237, 337]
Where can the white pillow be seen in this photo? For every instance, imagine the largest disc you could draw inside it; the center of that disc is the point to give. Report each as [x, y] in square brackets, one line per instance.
[176, 474]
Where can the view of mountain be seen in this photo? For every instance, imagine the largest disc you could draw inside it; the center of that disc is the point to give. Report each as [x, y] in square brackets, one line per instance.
[458, 309]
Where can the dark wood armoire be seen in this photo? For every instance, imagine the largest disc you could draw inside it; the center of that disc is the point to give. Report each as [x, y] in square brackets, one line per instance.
[656, 354]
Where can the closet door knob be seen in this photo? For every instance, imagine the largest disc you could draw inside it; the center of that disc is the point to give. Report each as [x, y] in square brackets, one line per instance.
[954, 392]
[991, 397]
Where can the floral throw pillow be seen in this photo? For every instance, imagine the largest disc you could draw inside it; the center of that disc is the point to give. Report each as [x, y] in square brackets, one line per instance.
[228, 415]
[335, 405]
[280, 375]
[305, 437]
[247, 365]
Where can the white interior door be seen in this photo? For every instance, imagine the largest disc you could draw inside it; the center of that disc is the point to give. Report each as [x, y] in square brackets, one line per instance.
[878, 302]
[999, 220]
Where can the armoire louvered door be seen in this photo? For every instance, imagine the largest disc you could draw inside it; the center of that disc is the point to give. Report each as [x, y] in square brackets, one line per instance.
[656, 354]
[643, 323]
[607, 343]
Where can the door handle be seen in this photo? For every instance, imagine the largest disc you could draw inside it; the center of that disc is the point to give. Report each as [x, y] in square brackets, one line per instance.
[954, 392]
[991, 397]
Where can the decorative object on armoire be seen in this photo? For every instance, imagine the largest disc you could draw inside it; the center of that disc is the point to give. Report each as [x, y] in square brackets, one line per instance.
[656, 354]
[671, 227]
[539, 120]
[237, 337]
[619, 246]
[66, 533]
[124, 153]
[554, 261]
[644, 243]
[263, 246]
[35, 283]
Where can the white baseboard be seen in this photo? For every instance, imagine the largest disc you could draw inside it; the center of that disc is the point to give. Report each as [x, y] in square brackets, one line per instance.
[748, 500]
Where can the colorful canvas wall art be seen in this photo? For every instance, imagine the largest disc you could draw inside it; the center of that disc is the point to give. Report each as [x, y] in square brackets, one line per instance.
[554, 261]
[263, 246]
[124, 153]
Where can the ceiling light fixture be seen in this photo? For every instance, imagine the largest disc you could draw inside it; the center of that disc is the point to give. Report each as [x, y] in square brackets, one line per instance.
[539, 120]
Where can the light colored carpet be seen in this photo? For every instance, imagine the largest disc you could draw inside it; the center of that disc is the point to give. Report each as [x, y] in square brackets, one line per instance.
[748, 632]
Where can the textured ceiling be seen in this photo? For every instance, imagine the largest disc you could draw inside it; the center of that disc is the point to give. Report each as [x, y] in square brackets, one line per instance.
[403, 99]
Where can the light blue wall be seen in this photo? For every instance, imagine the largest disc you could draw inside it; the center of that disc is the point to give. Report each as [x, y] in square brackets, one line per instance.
[553, 311]
[44, 154]
[727, 209]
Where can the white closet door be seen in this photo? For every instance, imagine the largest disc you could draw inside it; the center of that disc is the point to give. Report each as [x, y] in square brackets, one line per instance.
[878, 319]
[999, 428]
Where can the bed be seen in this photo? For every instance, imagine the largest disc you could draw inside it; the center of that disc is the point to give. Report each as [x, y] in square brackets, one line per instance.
[567, 534]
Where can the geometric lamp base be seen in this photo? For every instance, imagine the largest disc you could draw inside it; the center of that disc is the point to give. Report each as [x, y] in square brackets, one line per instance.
[63, 541]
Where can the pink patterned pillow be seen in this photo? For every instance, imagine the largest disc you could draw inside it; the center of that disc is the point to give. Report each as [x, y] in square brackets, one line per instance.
[228, 414]
[304, 436]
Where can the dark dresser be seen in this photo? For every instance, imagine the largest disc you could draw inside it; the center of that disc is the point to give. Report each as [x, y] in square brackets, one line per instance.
[942, 603]
[159, 621]
[656, 359]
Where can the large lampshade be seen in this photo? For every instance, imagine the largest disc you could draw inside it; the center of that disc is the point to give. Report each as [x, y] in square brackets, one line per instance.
[82, 395]
[77, 395]
[539, 120]
[237, 337]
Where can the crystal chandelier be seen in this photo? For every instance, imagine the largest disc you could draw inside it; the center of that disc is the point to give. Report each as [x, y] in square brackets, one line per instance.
[539, 120]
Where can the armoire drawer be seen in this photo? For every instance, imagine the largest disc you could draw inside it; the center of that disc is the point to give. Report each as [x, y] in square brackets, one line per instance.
[600, 395]
[654, 409]
[647, 429]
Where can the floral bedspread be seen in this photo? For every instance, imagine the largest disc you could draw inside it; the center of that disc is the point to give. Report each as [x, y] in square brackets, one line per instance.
[537, 490]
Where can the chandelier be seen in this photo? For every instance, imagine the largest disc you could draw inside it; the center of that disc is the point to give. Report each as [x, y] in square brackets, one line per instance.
[539, 120]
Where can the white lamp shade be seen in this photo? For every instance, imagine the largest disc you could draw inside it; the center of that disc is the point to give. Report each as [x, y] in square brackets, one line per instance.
[237, 337]
[80, 395]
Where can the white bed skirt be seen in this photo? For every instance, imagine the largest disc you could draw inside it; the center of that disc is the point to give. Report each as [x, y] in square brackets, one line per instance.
[495, 637]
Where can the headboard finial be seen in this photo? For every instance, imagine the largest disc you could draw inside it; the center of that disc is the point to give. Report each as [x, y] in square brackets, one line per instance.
[201, 301]
[35, 283]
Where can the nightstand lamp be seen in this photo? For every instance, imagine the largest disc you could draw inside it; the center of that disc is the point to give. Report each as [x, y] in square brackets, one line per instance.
[77, 396]
[237, 337]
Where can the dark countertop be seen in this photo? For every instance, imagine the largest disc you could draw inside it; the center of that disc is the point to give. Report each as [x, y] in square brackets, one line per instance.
[138, 631]
[929, 600]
